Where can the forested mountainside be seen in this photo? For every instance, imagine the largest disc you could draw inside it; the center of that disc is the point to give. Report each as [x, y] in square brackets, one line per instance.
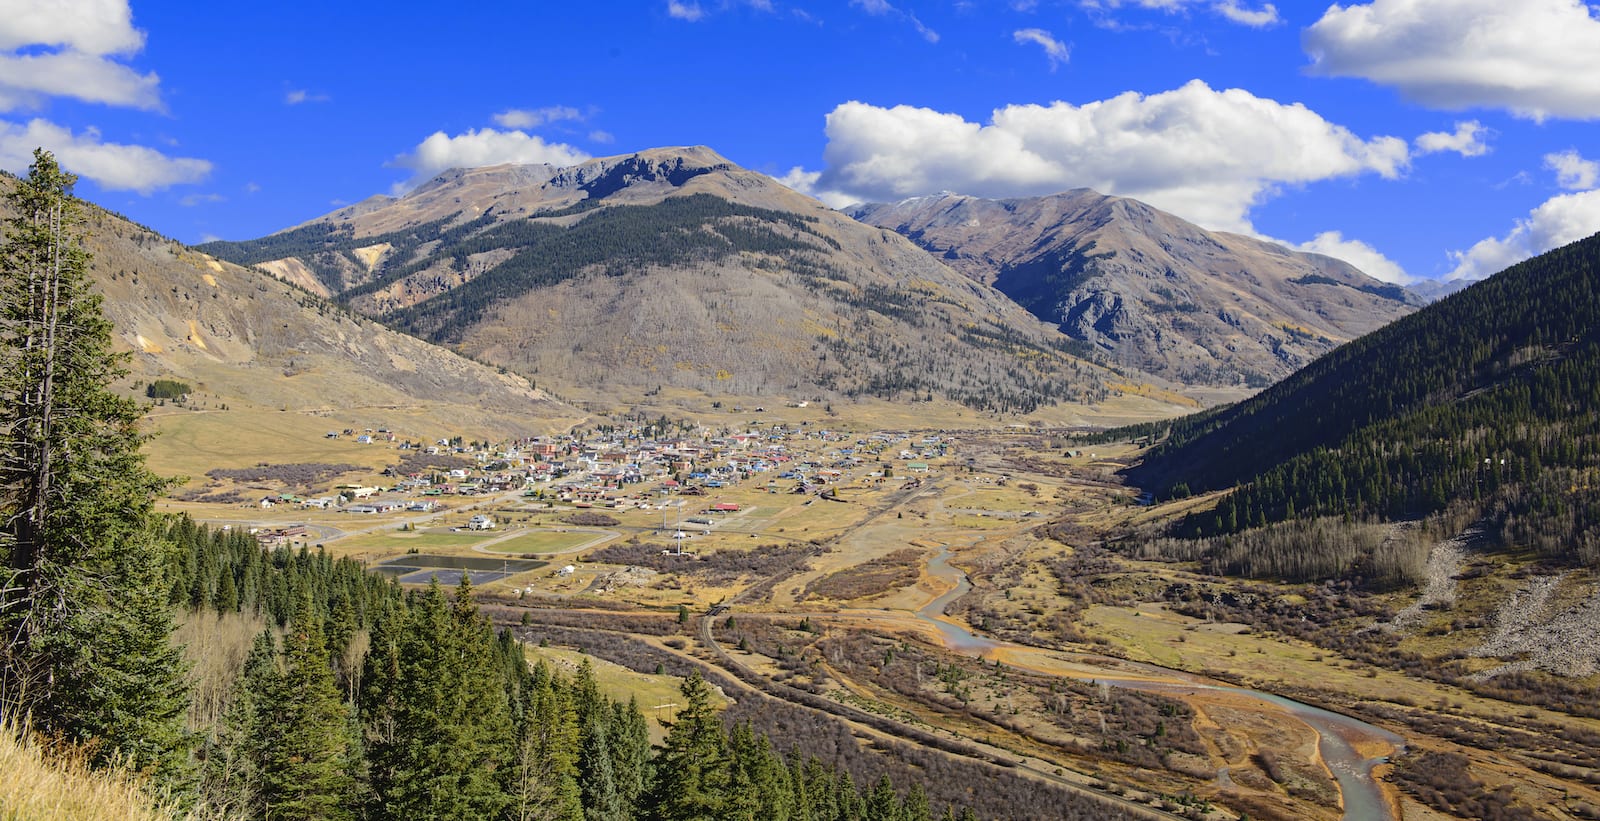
[1148, 289]
[1488, 399]
[676, 267]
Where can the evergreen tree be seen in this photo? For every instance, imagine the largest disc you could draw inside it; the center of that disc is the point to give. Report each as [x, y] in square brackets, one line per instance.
[75, 503]
[822, 790]
[438, 715]
[691, 770]
[304, 757]
[758, 783]
[602, 800]
[586, 697]
[848, 799]
[227, 599]
[139, 696]
[744, 800]
[800, 788]
[340, 629]
[882, 803]
[546, 778]
[380, 675]
[629, 740]
[916, 806]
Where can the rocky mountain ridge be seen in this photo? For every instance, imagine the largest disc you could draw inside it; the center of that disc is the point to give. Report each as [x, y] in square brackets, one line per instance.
[675, 267]
[1151, 290]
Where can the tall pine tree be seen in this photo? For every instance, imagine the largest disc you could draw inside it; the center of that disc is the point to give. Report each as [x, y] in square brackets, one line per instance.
[437, 714]
[302, 727]
[546, 775]
[81, 569]
[691, 773]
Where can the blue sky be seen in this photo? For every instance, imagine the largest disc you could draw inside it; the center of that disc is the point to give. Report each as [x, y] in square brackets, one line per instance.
[1415, 138]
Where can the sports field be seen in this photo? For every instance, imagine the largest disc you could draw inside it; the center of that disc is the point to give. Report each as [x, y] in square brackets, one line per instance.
[545, 541]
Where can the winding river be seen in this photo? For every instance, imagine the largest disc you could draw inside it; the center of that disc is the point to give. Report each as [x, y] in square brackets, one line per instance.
[1363, 798]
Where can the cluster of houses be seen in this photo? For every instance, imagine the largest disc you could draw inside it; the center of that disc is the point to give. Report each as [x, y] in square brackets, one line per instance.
[620, 468]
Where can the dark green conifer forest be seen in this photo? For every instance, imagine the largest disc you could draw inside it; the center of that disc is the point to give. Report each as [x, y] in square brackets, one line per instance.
[1484, 407]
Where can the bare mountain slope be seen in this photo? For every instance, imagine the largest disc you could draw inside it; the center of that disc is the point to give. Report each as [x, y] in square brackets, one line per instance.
[251, 340]
[1153, 291]
[675, 267]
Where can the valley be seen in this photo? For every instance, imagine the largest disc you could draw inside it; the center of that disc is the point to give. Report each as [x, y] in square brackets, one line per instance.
[955, 589]
[841, 410]
[659, 413]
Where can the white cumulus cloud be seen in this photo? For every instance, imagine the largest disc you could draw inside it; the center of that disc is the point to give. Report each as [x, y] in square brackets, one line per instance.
[1534, 58]
[70, 48]
[1573, 172]
[1467, 140]
[690, 11]
[98, 27]
[74, 49]
[1203, 154]
[1055, 50]
[1370, 260]
[805, 182]
[535, 117]
[1558, 221]
[26, 79]
[477, 148]
[113, 166]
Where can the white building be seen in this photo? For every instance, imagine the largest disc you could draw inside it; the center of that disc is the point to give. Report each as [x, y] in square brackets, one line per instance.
[480, 522]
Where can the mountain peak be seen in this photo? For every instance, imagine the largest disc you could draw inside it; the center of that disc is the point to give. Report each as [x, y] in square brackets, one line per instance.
[512, 190]
[657, 167]
[1155, 291]
[699, 156]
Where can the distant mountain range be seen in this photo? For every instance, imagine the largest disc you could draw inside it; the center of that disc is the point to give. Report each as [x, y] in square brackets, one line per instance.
[675, 267]
[250, 339]
[1148, 289]
[1434, 290]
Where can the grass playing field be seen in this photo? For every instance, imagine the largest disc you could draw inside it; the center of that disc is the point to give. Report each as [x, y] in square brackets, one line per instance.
[545, 541]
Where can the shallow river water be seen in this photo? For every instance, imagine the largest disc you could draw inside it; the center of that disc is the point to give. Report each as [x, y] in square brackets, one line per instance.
[1363, 798]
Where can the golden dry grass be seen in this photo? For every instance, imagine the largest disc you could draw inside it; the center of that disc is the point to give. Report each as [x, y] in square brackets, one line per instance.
[189, 443]
[39, 787]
